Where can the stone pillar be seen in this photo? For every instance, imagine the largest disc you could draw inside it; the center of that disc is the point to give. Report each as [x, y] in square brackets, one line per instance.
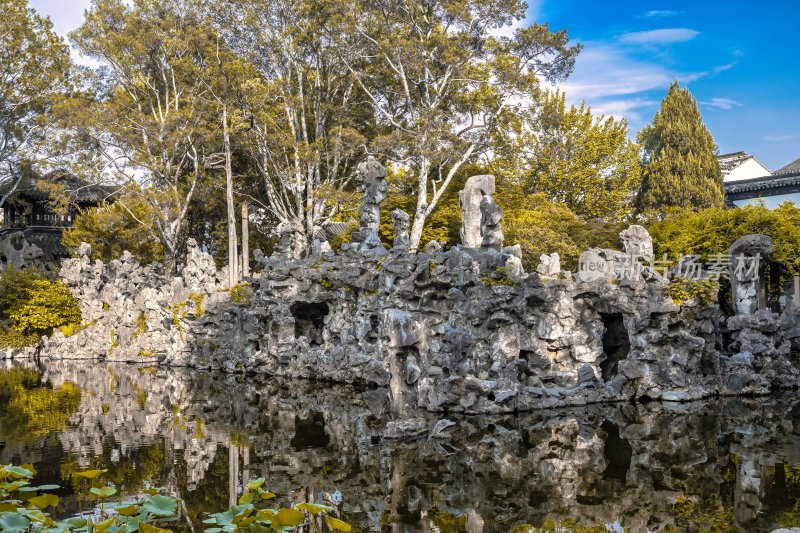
[371, 178]
[469, 199]
[762, 293]
[796, 296]
[746, 255]
[400, 222]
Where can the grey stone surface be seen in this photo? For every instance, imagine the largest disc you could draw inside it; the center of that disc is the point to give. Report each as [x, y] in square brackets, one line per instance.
[400, 224]
[549, 265]
[371, 178]
[746, 255]
[491, 231]
[636, 241]
[459, 330]
[469, 199]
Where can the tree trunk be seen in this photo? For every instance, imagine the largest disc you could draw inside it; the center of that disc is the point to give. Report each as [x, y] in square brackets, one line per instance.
[233, 254]
[245, 241]
[421, 212]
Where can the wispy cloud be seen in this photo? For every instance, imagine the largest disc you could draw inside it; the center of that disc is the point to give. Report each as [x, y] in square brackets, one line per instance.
[604, 70]
[662, 36]
[721, 103]
[723, 68]
[660, 13]
[779, 138]
[631, 109]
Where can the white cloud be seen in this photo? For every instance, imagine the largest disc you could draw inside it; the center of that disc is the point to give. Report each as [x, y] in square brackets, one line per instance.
[779, 138]
[605, 70]
[723, 68]
[659, 13]
[721, 103]
[662, 36]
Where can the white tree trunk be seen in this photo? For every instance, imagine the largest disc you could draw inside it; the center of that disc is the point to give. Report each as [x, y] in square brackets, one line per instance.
[233, 254]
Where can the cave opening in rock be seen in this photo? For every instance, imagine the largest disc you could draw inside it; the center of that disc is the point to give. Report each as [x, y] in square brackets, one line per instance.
[309, 319]
[616, 344]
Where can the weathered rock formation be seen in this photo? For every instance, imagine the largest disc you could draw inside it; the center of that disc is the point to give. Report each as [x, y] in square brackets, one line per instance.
[458, 330]
[371, 177]
[470, 198]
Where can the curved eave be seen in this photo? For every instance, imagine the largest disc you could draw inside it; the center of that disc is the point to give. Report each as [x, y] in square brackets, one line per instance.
[766, 183]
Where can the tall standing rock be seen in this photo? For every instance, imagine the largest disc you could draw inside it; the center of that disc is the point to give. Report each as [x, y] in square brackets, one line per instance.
[470, 201]
[371, 177]
[491, 232]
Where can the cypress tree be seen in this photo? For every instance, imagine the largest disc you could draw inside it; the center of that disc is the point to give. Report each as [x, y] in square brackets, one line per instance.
[680, 163]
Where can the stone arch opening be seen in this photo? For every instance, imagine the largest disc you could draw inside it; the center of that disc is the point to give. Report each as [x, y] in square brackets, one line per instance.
[309, 320]
[616, 344]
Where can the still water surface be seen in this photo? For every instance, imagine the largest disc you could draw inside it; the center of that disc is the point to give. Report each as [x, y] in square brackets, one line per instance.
[720, 465]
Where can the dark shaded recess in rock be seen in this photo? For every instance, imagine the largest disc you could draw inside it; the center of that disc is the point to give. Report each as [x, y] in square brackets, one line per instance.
[310, 432]
[309, 320]
[616, 344]
[617, 452]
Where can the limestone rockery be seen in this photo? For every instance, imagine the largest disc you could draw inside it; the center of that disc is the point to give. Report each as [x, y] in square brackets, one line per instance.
[457, 330]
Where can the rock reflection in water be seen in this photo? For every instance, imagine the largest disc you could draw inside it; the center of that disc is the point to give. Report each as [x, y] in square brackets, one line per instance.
[725, 465]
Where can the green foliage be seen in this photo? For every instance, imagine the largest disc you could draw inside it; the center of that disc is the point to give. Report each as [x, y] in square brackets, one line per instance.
[501, 278]
[447, 522]
[111, 229]
[444, 222]
[22, 509]
[568, 525]
[704, 291]
[713, 231]
[445, 68]
[694, 514]
[197, 298]
[35, 63]
[34, 305]
[573, 158]
[540, 226]
[241, 294]
[141, 326]
[680, 164]
[34, 410]
[49, 305]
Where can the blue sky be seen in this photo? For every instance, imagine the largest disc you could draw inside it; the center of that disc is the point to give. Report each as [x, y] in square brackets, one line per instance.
[740, 59]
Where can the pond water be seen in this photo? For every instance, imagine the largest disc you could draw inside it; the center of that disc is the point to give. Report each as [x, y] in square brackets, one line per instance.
[718, 465]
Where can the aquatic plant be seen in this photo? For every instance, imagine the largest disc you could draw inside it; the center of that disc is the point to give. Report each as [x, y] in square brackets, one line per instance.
[23, 509]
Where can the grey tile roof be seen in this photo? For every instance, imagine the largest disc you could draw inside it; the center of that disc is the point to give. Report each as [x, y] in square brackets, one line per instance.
[791, 168]
[764, 183]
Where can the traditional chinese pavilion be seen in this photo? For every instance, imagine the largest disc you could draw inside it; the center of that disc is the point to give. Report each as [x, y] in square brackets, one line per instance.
[30, 206]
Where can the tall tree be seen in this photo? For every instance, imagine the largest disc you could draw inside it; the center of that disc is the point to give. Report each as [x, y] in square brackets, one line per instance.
[144, 120]
[307, 127]
[573, 158]
[680, 163]
[440, 81]
[34, 63]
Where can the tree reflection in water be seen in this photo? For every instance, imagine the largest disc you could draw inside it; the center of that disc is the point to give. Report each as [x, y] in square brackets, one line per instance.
[720, 465]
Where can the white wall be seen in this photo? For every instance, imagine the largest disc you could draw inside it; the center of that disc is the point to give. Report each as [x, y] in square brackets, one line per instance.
[747, 170]
[771, 201]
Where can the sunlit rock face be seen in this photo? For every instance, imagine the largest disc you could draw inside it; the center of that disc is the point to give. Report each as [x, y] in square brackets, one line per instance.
[453, 330]
[723, 464]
